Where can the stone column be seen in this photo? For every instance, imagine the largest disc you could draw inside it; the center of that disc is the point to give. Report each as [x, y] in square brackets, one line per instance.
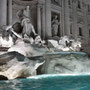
[48, 18]
[62, 19]
[43, 21]
[9, 13]
[75, 27]
[39, 19]
[85, 26]
[67, 20]
[3, 12]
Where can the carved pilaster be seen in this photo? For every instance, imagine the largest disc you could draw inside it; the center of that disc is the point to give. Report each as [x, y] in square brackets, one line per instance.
[43, 21]
[67, 19]
[3, 12]
[9, 13]
[48, 18]
[39, 19]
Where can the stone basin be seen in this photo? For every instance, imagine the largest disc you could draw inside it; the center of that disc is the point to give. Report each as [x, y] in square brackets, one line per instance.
[67, 63]
[14, 65]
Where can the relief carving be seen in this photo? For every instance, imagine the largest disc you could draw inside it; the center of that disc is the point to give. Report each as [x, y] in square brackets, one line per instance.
[56, 2]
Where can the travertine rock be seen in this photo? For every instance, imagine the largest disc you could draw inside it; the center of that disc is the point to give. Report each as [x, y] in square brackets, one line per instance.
[66, 63]
[14, 65]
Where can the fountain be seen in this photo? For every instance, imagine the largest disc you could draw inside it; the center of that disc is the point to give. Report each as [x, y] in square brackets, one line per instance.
[23, 58]
[33, 64]
[47, 64]
[50, 66]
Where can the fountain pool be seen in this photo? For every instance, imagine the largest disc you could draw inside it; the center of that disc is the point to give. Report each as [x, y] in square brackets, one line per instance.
[72, 73]
[48, 82]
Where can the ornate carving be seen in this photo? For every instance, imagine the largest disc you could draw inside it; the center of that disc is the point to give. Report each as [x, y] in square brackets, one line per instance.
[56, 2]
[74, 1]
[20, 2]
[80, 21]
[71, 17]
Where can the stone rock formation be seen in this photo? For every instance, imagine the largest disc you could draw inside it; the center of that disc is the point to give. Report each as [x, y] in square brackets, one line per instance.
[67, 63]
[28, 50]
[14, 65]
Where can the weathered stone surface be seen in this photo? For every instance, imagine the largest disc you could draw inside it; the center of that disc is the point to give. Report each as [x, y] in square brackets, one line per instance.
[14, 65]
[66, 63]
[65, 43]
[27, 49]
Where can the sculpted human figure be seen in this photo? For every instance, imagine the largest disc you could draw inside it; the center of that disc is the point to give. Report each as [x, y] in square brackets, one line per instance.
[26, 23]
[55, 24]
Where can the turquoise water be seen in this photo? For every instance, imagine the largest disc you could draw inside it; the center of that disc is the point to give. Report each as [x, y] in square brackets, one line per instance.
[48, 82]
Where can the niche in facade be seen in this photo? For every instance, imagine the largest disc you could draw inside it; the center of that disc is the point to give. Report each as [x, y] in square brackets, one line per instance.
[55, 23]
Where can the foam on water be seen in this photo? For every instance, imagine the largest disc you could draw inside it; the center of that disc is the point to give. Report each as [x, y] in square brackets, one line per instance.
[56, 75]
[49, 82]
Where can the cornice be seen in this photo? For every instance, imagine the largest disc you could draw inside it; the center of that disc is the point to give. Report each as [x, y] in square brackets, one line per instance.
[25, 3]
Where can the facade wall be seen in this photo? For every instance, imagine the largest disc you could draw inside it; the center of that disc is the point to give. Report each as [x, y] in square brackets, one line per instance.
[73, 17]
[79, 18]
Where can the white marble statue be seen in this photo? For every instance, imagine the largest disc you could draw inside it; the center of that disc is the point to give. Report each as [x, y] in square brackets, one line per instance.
[6, 40]
[55, 25]
[66, 44]
[26, 23]
[25, 48]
